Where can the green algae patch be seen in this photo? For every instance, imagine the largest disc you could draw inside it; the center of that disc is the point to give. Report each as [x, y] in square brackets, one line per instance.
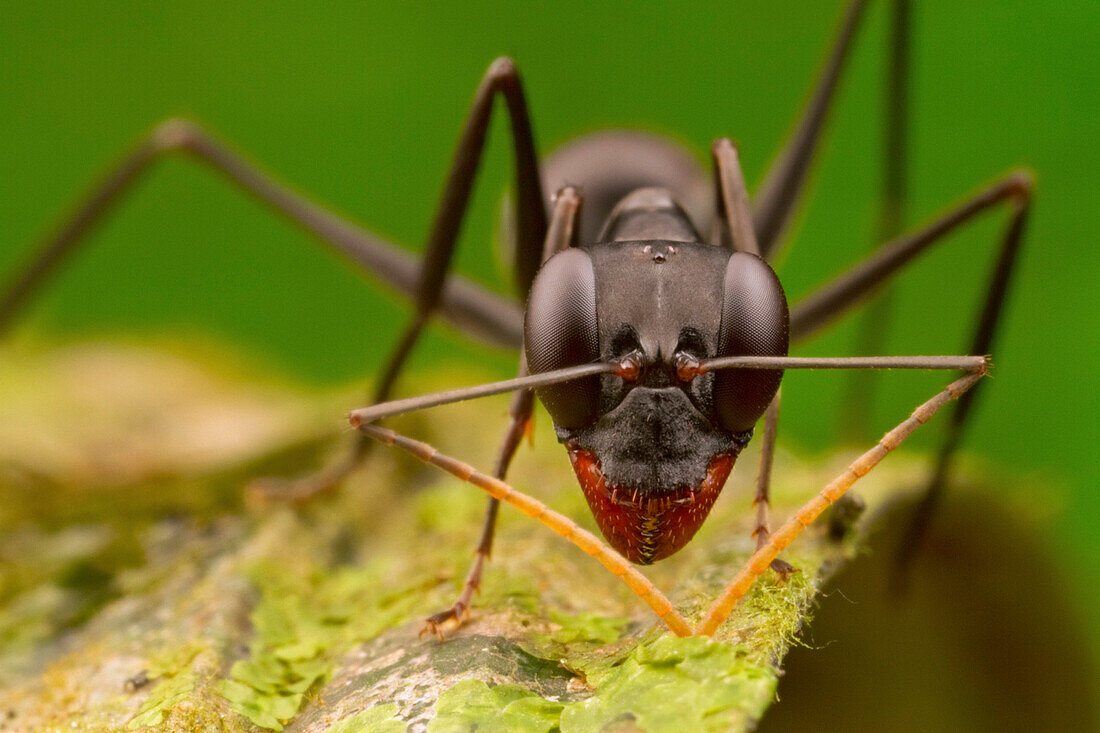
[586, 627]
[165, 696]
[175, 683]
[676, 684]
[301, 624]
[668, 684]
[379, 719]
[474, 705]
[287, 652]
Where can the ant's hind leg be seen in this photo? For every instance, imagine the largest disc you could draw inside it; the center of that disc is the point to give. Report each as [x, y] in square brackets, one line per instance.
[779, 192]
[467, 305]
[470, 307]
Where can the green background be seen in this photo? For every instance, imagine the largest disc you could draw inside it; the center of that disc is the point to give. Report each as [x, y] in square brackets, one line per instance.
[360, 104]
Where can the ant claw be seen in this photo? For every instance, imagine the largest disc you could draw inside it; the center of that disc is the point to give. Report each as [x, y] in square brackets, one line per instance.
[783, 569]
[454, 615]
[433, 628]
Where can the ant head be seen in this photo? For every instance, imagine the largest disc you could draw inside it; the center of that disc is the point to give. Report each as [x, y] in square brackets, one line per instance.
[658, 437]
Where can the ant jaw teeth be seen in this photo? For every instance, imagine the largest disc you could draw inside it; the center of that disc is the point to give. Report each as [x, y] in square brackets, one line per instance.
[644, 528]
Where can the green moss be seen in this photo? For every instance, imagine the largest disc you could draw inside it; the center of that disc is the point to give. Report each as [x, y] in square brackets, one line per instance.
[474, 705]
[241, 616]
[301, 625]
[379, 719]
[769, 619]
[586, 628]
[166, 695]
[676, 684]
[667, 684]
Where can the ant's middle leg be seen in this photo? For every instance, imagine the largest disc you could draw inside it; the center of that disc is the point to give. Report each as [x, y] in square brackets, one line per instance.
[530, 217]
[562, 233]
[520, 411]
[835, 298]
[762, 498]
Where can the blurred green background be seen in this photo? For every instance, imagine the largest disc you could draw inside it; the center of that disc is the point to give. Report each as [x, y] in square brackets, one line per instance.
[359, 104]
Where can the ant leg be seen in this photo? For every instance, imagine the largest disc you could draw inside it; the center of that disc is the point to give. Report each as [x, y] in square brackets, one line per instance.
[735, 230]
[872, 333]
[560, 235]
[982, 344]
[501, 78]
[778, 194]
[833, 299]
[520, 410]
[563, 525]
[761, 500]
[762, 558]
[736, 233]
[469, 306]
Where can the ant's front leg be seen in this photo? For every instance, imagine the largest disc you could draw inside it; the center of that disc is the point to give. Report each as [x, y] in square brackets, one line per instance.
[766, 553]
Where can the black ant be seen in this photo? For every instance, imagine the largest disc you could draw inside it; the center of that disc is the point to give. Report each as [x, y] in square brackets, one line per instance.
[655, 333]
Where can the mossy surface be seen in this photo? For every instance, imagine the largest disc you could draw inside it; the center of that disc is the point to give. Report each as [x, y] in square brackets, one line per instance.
[141, 591]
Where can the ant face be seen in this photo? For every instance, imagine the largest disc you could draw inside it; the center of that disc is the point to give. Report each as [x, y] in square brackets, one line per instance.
[652, 446]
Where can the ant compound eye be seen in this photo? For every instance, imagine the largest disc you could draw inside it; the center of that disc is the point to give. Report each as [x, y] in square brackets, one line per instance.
[560, 330]
[755, 322]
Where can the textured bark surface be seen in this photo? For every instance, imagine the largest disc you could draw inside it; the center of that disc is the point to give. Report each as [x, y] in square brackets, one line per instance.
[141, 589]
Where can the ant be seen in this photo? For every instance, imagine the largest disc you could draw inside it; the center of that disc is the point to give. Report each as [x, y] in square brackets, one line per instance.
[655, 333]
